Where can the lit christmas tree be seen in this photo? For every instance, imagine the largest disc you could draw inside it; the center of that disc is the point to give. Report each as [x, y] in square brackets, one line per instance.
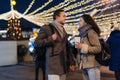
[14, 29]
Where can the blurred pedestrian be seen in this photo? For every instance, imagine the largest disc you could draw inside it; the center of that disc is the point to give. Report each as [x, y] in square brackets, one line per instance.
[114, 43]
[40, 61]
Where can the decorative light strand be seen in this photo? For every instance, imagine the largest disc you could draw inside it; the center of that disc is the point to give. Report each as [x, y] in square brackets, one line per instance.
[61, 5]
[87, 8]
[104, 9]
[78, 4]
[49, 12]
[41, 7]
[29, 7]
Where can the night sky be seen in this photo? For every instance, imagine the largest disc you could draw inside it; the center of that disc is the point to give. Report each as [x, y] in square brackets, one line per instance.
[22, 5]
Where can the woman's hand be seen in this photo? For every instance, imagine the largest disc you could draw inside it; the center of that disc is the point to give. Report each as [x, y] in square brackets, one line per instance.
[78, 45]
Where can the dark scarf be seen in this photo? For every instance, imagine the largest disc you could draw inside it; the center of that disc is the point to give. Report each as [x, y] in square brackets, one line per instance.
[84, 30]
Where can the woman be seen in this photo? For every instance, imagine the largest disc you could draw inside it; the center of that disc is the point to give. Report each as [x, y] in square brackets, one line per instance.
[114, 43]
[88, 47]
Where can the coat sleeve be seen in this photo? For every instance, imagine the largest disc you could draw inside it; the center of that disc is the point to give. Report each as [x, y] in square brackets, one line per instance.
[95, 46]
[43, 39]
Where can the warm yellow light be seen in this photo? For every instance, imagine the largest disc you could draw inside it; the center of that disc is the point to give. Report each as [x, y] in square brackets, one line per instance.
[105, 1]
[13, 2]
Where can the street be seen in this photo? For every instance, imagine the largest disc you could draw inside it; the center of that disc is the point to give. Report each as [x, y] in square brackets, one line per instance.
[25, 71]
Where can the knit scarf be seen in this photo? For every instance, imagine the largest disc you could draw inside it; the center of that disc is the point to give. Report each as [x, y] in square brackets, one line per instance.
[59, 27]
[84, 30]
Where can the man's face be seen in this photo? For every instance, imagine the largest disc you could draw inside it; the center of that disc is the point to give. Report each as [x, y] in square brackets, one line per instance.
[61, 18]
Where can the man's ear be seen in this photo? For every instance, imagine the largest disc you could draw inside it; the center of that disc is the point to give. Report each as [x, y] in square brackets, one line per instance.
[57, 17]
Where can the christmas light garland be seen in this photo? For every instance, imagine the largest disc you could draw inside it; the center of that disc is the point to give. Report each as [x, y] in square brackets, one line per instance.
[41, 7]
[59, 6]
[73, 10]
[29, 7]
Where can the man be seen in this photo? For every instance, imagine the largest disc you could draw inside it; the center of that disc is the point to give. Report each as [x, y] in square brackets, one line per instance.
[55, 41]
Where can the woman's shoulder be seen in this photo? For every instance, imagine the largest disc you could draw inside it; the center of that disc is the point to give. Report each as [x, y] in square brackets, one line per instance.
[91, 32]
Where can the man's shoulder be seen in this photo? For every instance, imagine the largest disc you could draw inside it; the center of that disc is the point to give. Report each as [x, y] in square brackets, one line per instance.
[45, 26]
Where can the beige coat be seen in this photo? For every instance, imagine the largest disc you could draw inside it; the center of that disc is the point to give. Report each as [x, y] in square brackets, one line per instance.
[90, 47]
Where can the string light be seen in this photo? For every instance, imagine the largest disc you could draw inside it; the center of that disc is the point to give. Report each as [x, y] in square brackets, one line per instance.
[13, 2]
[59, 6]
[29, 7]
[74, 9]
[84, 9]
[87, 8]
[78, 4]
[101, 10]
[66, 7]
[41, 7]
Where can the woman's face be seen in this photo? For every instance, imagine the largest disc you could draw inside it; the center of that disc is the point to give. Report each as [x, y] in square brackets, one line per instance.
[82, 22]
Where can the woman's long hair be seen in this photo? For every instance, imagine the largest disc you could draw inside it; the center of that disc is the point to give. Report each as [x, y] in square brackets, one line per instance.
[89, 20]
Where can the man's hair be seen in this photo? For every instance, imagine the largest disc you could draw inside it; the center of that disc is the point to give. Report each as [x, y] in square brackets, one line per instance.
[57, 13]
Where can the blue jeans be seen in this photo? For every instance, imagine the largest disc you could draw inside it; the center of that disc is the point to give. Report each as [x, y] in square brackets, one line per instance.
[91, 73]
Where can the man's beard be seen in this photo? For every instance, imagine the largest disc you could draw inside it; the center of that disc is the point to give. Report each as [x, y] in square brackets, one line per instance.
[62, 23]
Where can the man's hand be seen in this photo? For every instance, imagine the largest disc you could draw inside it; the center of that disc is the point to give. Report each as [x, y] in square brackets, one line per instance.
[54, 36]
[73, 68]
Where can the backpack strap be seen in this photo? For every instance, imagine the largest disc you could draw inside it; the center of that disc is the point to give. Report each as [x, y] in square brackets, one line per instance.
[52, 31]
